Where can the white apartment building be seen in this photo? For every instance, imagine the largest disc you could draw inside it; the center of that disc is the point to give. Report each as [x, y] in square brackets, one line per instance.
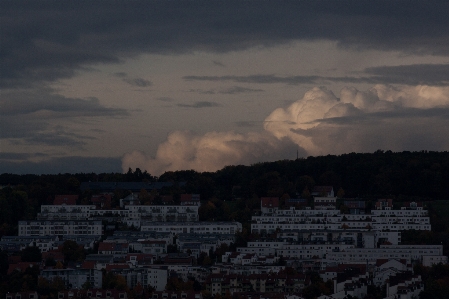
[401, 287]
[417, 250]
[385, 252]
[393, 237]
[257, 250]
[429, 260]
[246, 269]
[402, 212]
[360, 238]
[64, 212]
[75, 278]
[66, 208]
[308, 251]
[325, 203]
[269, 244]
[44, 243]
[164, 213]
[56, 228]
[156, 276]
[193, 227]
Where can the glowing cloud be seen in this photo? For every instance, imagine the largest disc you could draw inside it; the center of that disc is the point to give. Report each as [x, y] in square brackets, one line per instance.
[384, 117]
[212, 151]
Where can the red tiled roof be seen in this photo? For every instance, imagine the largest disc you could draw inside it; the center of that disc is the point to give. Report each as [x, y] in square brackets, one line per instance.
[110, 267]
[380, 262]
[56, 255]
[65, 199]
[268, 202]
[139, 256]
[22, 266]
[110, 246]
[88, 265]
[152, 242]
[14, 259]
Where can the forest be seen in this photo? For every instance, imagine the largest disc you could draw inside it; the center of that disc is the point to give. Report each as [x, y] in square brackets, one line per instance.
[233, 193]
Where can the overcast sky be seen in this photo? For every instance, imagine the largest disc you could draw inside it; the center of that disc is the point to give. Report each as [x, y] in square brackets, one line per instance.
[101, 86]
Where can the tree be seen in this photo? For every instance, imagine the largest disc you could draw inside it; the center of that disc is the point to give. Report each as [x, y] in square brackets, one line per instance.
[3, 263]
[72, 251]
[87, 285]
[172, 249]
[222, 249]
[207, 212]
[344, 209]
[50, 262]
[144, 197]
[114, 281]
[304, 182]
[207, 261]
[177, 284]
[59, 265]
[138, 289]
[340, 193]
[306, 193]
[31, 254]
[282, 261]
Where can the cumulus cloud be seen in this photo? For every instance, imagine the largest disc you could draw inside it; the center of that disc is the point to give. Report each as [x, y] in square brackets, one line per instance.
[209, 152]
[364, 120]
[384, 117]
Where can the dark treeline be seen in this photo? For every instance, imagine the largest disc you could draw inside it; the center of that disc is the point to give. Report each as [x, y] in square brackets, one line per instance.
[422, 174]
[403, 176]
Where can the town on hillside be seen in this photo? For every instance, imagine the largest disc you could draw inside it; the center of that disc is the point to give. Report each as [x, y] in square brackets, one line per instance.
[320, 247]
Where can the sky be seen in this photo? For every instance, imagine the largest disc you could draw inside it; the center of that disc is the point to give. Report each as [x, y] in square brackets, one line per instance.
[104, 86]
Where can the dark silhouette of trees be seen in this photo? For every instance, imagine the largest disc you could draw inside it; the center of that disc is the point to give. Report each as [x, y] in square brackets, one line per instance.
[31, 254]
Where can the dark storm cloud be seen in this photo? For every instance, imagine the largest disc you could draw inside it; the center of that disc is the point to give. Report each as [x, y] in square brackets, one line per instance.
[165, 99]
[61, 165]
[32, 131]
[403, 113]
[33, 100]
[121, 74]
[415, 74]
[201, 104]
[45, 41]
[20, 156]
[27, 115]
[60, 138]
[138, 82]
[216, 62]
[262, 79]
[231, 90]
[290, 80]
[15, 127]
[430, 74]
[202, 91]
[239, 89]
